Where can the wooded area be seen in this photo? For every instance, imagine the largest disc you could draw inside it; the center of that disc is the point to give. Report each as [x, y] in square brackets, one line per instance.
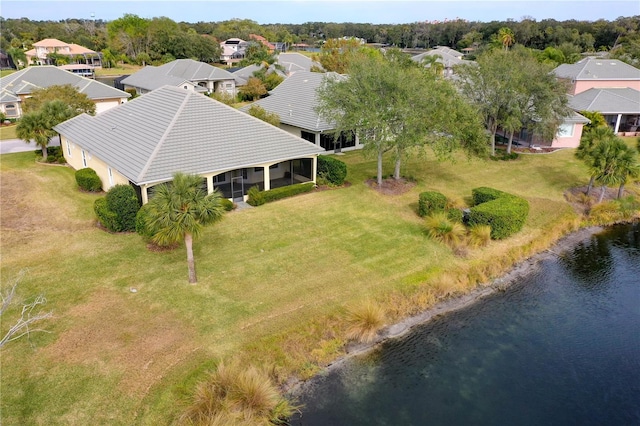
[160, 39]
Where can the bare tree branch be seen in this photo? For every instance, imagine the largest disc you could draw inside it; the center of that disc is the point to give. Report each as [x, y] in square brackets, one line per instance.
[29, 314]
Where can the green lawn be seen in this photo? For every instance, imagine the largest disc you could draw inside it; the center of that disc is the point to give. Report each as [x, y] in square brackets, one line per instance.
[8, 132]
[273, 282]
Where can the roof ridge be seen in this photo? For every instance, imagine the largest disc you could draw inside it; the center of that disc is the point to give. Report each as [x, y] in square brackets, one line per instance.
[164, 136]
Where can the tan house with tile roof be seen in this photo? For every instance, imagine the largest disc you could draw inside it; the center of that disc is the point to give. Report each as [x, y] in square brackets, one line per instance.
[39, 55]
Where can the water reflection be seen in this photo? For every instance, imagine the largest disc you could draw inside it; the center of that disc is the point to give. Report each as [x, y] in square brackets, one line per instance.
[560, 347]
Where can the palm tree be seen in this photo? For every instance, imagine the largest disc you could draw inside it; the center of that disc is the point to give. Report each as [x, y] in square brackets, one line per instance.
[592, 150]
[506, 37]
[628, 168]
[33, 126]
[38, 125]
[613, 162]
[179, 210]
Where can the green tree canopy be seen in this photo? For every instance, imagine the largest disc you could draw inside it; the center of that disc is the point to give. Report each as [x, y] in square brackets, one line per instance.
[270, 117]
[69, 95]
[394, 109]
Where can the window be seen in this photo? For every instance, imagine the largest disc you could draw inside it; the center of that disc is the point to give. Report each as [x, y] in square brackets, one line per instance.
[222, 177]
[84, 159]
[10, 110]
[69, 148]
[308, 136]
[110, 176]
[565, 130]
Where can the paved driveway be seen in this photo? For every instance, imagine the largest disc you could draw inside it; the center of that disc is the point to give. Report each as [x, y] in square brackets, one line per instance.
[18, 145]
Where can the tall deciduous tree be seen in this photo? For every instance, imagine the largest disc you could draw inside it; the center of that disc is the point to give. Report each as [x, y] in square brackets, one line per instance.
[179, 210]
[514, 91]
[394, 108]
[69, 95]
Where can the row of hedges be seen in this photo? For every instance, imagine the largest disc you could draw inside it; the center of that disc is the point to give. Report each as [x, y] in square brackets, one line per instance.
[332, 169]
[504, 213]
[258, 198]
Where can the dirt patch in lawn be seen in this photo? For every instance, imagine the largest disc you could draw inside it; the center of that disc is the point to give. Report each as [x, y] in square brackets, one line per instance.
[391, 186]
[113, 333]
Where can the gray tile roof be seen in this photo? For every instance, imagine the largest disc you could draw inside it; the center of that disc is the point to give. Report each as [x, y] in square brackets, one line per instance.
[294, 100]
[172, 129]
[6, 96]
[243, 74]
[294, 62]
[25, 81]
[598, 69]
[449, 57]
[175, 73]
[607, 101]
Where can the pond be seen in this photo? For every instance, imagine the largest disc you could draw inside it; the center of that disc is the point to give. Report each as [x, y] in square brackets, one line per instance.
[561, 346]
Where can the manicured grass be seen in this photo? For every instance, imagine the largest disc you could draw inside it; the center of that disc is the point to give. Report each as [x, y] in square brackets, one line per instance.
[6, 72]
[8, 132]
[119, 70]
[274, 282]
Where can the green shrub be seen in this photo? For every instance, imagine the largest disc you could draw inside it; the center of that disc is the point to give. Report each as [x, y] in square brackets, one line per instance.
[257, 197]
[504, 156]
[123, 201]
[332, 169]
[142, 227]
[455, 215]
[483, 194]
[431, 202]
[88, 180]
[107, 218]
[227, 204]
[504, 213]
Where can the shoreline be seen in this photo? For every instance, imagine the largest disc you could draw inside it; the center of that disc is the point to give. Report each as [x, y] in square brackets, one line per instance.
[403, 327]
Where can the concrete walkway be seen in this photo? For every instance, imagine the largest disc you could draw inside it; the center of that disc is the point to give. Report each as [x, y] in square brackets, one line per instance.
[10, 146]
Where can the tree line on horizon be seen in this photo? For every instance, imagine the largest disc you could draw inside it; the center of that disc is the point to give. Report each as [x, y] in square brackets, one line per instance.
[160, 39]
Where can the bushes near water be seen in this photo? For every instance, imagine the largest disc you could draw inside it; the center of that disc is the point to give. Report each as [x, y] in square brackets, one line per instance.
[504, 213]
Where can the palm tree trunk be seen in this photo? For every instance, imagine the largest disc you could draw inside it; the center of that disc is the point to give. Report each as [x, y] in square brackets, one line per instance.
[44, 153]
[590, 185]
[604, 189]
[621, 190]
[188, 242]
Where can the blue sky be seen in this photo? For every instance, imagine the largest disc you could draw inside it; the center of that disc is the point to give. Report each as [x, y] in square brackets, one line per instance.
[300, 11]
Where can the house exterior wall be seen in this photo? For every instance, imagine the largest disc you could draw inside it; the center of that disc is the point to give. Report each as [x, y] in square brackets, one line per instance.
[73, 154]
[14, 112]
[569, 140]
[580, 86]
[107, 104]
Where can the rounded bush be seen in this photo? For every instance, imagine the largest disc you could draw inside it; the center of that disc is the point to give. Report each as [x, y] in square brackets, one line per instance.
[88, 180]
[431, 202]
[107, 218]
[332, 169]
[255, 197]
[227, 204]
[123, 201]
[142, 227]
[505, 214]
[455, 215]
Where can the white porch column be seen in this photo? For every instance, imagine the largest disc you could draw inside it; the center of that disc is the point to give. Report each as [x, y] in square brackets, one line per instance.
[209, 184]
[145, 196]
[267, 178]
[314, 167]
[618, 123]
[317, 139]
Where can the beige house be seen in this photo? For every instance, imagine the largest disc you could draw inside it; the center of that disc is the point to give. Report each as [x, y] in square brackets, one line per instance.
[19, 85]
[145, 141]
[77, 54]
